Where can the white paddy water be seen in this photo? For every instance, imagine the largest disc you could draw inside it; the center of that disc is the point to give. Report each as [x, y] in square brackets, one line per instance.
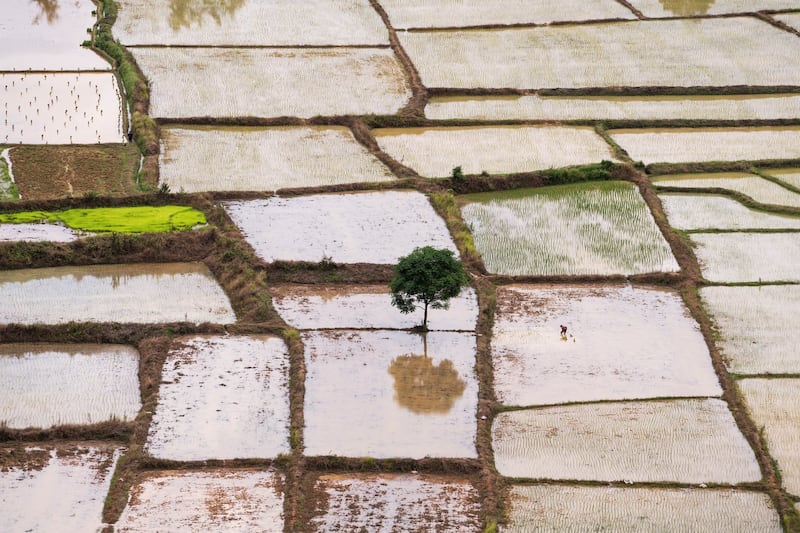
[786, 175]
[374, 227]
[684, 145]
[621, 343]
[792, 19]
[141, 293]
[775, 405]
[434, 152]
[558, 508]
[48, 385]
[65, 494]
[678, 107]
[396, 394]
[210, 500]
[38, 232]
[682, 8]
[222, 398]
[757, 188]
[741, 257]
[250, 23]
[264, 159]
[454, 13]
[685, 441]
[360, 306]
[723, 51]
[696, 212]
[60, 108]
[394, 503]
[269, 82]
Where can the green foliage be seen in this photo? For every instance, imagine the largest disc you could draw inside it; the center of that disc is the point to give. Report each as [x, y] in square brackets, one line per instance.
[458, 174]
[141, 219]
[427, 276]
[146, 131]
[8, 189]
[596, 172]
[164, 189]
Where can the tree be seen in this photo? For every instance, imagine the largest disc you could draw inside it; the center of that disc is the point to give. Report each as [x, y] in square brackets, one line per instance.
[427, 277]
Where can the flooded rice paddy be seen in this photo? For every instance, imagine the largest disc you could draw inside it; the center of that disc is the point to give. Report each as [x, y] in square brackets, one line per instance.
[45, 385]
[113, 293]
[687, 8]
[755, 187]
[396, 503]
[697, 212]
[264, 159]
[263, 82]
[211, 500]
[791, 19]
[686, 441]
[369, 227]
[724, 51]
[790, 176]
[399, 394]
[621, 343]
[594, 228]
[757, 333]
[743, 257]
[39, 232]
[433, 152]
[557, 508]
[222, 398]
[365, 306]
[57, 487]
[249, 23]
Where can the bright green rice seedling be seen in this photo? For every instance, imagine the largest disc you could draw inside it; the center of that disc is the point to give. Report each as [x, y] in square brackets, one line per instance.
[141, 219]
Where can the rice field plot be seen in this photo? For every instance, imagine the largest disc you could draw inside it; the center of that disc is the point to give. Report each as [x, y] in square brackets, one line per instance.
[684, 441]
[365, 306]
[774, 406]
[682, 8]
[243, 23]
[453, 13]
[264, 159]
[677, 107]
[791, 19]
[222, 398]
[599, 228]
[141, 293]
[399, 394]
[747, 257]
[555, 508]
[56, 488]
[433, 152]
[270, 82]
[37, 232]
[692, 145]
[790, 176]
[60, 108]
[691, 212]
[48, 36]
[372, 227]
[723, 51]
[621, 343]
[45, 385]
[208, 500]
[396, 502]
[761, 190]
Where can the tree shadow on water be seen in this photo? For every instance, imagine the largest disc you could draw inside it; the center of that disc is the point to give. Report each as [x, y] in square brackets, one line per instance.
[685, 8]
[185, 13]
[423, 388]
[49, 11]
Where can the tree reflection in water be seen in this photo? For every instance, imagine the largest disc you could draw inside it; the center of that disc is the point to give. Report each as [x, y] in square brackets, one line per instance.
[185, 13]
[686, 8]
[49, 11]
[423, 388]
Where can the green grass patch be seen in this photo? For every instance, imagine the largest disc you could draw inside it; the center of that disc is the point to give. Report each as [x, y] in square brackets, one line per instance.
[552, 191]
[141, 219]
[8, 189]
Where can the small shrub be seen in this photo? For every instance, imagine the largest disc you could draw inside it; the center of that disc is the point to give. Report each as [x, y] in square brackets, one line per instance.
[457, 174]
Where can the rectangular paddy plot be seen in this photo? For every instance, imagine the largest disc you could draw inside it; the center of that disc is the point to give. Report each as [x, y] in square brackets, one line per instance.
[56, 488]
[690, 145]
[678, 107]
[141, 293]
[45, 385]
[682, 8]
[398, 394]
[757, 327]
[59, 108]
[433, 152]
[264, 159]
[365, 306]
[684, 441]
[703, 212]
[556, 508]
[757, 188]
[249, 23]
[370, 227]
[743, 257]
[222, 398]
[236, 82]
[775, 406]
[37, 232]
[455, 13]
[599, 228]
[621, 343]
[723, 51]
[208, 500]
[396, 503]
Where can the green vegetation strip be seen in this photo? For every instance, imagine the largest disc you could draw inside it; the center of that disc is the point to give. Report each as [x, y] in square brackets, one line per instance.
[143, 219]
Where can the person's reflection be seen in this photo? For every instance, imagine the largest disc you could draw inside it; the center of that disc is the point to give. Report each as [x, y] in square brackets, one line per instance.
[49, 11]
[185, 13]
[686, 8]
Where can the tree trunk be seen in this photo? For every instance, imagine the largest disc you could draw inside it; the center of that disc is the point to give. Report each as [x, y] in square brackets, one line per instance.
[425, 318]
